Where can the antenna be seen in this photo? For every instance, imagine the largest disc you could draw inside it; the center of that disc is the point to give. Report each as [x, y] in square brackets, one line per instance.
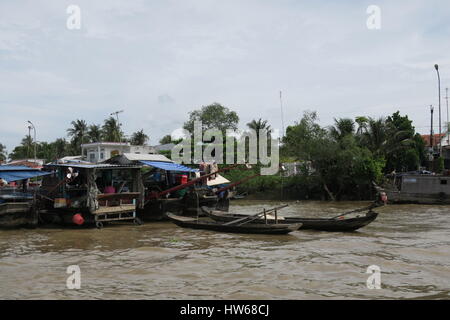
[282, 117]
[118, 123]
[282, 135]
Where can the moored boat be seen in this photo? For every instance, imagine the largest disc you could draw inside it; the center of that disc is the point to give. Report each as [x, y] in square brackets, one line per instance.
[85, 194]
[253, 228]
[18, 207]
[340, 223]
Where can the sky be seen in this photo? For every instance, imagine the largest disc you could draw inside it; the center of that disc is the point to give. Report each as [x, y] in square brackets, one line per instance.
[158, 60]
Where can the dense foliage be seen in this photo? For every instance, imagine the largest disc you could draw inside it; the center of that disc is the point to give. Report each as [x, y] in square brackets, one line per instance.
[337, 162]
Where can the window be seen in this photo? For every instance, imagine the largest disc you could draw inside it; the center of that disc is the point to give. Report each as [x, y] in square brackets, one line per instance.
[101, 155]
[443, 181]
[91, 157]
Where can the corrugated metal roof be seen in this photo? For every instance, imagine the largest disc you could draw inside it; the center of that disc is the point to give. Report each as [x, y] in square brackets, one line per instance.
[94, 166]
[21, 174]
[146, 157]
[169, 166]
[15, 168]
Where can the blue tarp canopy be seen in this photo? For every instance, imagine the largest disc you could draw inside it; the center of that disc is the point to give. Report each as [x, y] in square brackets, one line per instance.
[16, 168]
[168, 166]
[21, 174]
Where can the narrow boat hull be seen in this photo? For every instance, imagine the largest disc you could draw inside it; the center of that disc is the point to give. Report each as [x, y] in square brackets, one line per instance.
[17, 214]
[193, 223]
[338, 225]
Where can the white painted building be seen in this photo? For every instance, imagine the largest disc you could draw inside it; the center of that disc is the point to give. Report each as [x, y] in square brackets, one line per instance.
[101, 151]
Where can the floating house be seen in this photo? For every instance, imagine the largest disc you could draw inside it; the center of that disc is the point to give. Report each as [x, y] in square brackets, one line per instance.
[418, 188]
[160, 176]
[17, 199]
[86, 194]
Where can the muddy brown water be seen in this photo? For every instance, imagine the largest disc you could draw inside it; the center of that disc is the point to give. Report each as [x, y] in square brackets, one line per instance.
[410, 244]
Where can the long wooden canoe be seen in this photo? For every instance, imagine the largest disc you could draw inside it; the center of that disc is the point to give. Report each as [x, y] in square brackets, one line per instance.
[257, 228]
[340, 223]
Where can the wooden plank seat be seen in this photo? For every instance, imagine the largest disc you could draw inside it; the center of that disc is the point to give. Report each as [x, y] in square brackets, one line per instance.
[118, 196]
[14, 207]
[115, 209]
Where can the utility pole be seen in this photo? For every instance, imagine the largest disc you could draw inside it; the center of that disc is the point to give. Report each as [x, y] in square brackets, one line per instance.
[118, 123]
[35, 142]
[439, 95]
[29, 138]
[448, 125]
[431, 130]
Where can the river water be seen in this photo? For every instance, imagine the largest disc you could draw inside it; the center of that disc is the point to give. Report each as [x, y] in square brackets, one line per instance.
[409, 243]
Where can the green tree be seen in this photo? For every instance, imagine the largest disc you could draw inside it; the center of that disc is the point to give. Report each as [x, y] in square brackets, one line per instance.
[342, 127]
[24, 150]
[3, 154]
[111, 130]
[335, 160]
[139, 138]
[94, 133]
[213, 116]
[258, 125]
[166, 139]
[403, 150]
[362, 125]
[374, 138]
[77, 133]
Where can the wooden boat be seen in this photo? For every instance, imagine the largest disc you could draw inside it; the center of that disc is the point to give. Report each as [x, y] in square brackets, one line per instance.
[85, 194]
[18, 207]
[340, 223]
[257, 228]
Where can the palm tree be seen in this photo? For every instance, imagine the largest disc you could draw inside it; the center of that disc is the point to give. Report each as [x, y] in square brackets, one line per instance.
[342, 128]
[259, 125]
[139, 138]
[27, 143]
[111, 130]
[2, 152]
[362, 125]
[95, 133]
[77, 132]
[60, 146]
[375, 136]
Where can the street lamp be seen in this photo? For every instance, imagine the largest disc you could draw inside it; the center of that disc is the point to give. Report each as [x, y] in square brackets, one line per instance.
[34, 129]
[439, 95]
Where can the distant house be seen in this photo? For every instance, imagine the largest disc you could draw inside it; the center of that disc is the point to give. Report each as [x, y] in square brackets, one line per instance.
[101, 151]
[426, 138]
[290, 169]
[444, 140]
[164, 147]
[31, 163]
[133, 158]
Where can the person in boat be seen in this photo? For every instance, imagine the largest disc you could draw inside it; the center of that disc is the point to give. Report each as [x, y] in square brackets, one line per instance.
[380, 201]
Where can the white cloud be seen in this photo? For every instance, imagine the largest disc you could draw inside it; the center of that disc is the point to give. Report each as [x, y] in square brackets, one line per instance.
[159, 60]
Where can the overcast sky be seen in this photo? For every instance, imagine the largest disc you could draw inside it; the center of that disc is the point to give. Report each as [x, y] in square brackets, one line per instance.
[157, 60]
